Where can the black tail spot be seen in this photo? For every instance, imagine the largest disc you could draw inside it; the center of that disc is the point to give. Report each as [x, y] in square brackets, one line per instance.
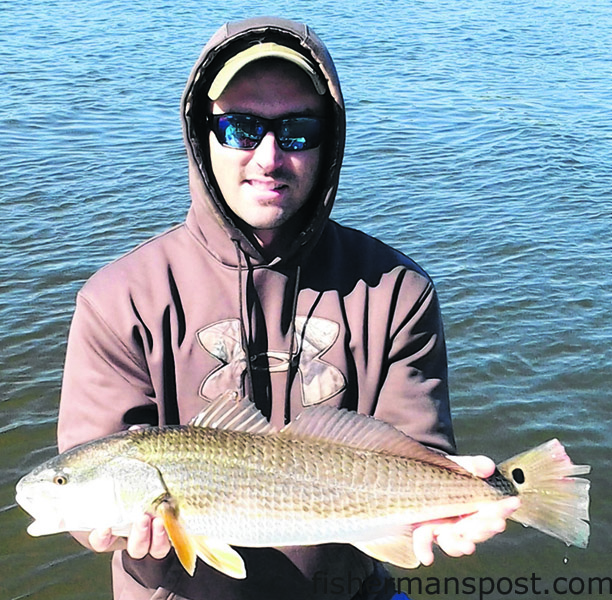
[518, 475]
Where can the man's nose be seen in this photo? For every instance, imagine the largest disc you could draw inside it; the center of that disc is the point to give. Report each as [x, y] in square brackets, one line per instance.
[268, 153]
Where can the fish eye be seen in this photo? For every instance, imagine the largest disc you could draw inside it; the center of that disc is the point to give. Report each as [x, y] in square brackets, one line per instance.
[60, 480]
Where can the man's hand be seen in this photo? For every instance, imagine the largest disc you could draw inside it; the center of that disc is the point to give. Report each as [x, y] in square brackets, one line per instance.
[147, 537]
[459, 536]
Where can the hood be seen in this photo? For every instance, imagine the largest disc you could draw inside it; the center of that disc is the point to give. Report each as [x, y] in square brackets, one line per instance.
[209, 218]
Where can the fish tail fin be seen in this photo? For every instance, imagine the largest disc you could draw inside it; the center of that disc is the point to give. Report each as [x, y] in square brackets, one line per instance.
[553, 499]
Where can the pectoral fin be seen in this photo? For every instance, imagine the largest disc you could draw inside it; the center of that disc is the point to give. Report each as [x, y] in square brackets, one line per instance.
[397, 550]
[218, 555]
[181, 541]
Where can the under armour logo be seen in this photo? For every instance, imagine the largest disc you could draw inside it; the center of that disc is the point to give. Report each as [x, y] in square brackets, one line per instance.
[314, 336]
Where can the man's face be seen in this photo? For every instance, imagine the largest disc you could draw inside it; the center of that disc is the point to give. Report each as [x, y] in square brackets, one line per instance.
[266, 186]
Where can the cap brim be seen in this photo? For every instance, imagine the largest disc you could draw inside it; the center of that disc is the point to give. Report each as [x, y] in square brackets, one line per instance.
[257, 52]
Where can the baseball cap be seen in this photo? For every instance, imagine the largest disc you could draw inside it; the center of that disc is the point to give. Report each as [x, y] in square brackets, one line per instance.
[257, 52]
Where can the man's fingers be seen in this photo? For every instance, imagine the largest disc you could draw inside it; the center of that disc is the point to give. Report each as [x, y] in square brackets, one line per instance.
[453, 542]
[481, 466]
[101, 539]
[139, 540]
[422, 543]
[459, 536]
[148, 536]
[160, 544]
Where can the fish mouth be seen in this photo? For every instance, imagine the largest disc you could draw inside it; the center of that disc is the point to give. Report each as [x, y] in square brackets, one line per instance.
[24, 500]
[38, 527]
[46, 525]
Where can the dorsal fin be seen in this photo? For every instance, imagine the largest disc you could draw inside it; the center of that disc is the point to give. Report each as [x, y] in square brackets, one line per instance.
[230, 412]
[341, 426]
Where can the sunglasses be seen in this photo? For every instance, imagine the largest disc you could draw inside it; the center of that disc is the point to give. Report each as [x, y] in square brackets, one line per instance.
[245, 132]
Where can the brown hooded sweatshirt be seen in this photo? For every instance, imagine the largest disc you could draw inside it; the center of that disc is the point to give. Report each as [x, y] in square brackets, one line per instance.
[337, 318]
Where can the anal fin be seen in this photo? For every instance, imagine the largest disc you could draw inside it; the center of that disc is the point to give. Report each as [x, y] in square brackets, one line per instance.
[396, 550]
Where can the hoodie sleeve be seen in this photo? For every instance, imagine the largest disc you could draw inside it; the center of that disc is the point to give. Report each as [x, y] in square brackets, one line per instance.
[106, 385]
[414, 389]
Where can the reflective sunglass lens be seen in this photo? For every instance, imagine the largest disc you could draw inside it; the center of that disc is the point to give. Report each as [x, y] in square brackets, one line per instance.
[242, 132]
[301, 133]
[245, 132]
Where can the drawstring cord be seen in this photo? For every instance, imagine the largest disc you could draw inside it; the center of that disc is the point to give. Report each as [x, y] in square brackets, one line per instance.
[292, 353]
[247, 386]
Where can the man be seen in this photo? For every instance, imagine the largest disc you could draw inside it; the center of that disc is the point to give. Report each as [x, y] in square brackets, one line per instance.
[260, 292]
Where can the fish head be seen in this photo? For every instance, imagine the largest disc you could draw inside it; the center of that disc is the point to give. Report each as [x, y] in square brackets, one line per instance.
[57, 499]
[90, 487]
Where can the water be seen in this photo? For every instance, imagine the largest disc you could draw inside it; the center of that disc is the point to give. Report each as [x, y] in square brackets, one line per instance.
[479, 143]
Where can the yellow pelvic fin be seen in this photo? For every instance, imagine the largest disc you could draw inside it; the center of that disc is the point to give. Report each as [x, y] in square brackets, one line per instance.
[221, 556]
[218, 555]
[397, 550]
